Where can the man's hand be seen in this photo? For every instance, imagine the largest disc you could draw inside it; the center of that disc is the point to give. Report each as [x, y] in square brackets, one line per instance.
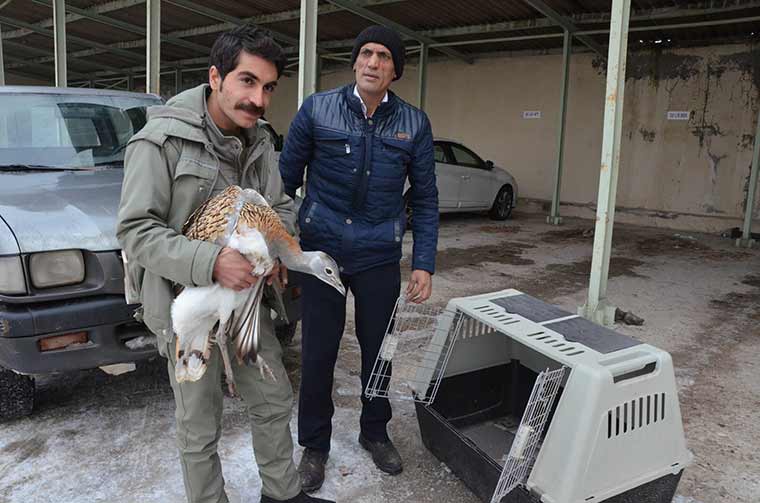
[420, 286]
[279, 274]
[232, 270]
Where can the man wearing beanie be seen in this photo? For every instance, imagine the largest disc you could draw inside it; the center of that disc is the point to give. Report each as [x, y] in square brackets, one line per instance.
[361, 143]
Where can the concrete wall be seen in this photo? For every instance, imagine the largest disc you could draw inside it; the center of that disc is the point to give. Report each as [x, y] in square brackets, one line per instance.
[690, 174]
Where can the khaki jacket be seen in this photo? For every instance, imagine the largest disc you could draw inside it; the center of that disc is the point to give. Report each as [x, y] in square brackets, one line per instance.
[170, 168]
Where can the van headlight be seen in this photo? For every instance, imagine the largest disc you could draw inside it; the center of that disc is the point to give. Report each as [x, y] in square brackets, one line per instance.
[11, 276]
[58, 268]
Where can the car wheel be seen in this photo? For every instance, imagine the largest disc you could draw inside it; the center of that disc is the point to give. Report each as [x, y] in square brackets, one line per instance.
[285, 333]
[502, 205]
[16, 395]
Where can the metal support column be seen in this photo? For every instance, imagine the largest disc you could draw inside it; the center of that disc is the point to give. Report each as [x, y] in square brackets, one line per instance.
[130, 82]
[422, 77]
[153, 47]
[177, 81]
[59, 31]
[746, 239]
[2, 63]
[307, 50]
[318, 77]
[597, 307]
[554, 217]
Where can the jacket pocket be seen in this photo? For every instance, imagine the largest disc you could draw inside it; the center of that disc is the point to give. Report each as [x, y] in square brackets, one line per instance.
[398, 152]
[187, 166]
[332, 143]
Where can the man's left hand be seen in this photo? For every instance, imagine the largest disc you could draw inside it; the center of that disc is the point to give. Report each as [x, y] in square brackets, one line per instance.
[420, 286]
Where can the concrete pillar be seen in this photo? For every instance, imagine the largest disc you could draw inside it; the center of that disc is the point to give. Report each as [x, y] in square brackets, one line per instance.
[597, 308]
[554, 217]
[153, 47]
[59, 32]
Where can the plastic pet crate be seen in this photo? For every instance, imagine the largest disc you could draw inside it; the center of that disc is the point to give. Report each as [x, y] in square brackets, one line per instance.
[526, 402]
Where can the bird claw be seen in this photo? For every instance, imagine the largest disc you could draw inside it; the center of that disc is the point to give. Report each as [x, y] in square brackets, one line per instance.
[231, 388]
[266, 370]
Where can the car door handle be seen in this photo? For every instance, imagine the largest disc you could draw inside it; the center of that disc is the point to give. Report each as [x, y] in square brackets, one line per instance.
[465, 177]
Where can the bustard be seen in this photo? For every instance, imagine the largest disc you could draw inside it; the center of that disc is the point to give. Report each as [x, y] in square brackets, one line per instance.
[243, 220]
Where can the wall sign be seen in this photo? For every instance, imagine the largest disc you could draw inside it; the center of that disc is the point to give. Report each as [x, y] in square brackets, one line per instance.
[532, 114]
[679, 115]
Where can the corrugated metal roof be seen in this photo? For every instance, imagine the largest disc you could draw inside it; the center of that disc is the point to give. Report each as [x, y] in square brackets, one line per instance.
[443, 20]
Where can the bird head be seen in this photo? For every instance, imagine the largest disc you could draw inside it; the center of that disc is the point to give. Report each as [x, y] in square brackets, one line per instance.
[326, 269]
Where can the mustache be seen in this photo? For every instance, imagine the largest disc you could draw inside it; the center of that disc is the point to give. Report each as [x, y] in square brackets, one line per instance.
[250, 108]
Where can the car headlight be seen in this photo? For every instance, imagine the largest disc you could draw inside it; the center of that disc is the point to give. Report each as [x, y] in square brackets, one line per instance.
[12, 275]
[56, 268]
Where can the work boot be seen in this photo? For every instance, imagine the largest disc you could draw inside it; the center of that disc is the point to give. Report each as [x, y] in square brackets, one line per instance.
[301, 497]
[312, 469]
[384, 454]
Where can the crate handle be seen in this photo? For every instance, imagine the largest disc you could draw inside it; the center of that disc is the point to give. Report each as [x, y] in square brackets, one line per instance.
[635, 367]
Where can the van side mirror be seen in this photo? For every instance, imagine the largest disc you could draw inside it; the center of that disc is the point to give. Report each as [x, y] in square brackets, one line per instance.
[489, 165]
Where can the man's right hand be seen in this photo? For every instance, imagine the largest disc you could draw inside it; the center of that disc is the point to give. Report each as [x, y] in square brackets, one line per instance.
[232, 270]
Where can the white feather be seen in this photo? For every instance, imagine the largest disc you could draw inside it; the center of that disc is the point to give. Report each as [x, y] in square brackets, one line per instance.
[196, 310]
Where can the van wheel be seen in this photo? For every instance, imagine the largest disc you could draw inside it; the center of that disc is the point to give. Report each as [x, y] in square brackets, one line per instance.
[16, 395]
[502, 205]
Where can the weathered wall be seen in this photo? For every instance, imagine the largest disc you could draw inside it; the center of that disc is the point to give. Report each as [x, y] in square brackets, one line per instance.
[683, 174]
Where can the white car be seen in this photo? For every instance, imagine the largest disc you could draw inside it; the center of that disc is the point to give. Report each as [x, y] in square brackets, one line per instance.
[468, 183]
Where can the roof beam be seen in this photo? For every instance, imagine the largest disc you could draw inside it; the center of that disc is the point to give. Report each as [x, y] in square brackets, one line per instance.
[139, 30]
[567, 24]
[78, 40]
[97, 9]
[219, 16]
[43, 53]
[48, 69]
[661, 14]
[200, 30]
[277, 17]
[409, 33]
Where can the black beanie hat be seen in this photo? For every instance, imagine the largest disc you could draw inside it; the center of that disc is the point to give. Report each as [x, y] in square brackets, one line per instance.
[383, 36]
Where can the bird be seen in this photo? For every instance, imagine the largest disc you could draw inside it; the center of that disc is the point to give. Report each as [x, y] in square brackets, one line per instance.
[241, 219]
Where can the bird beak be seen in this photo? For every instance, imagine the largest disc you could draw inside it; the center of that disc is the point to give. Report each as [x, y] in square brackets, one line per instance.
[340, 287]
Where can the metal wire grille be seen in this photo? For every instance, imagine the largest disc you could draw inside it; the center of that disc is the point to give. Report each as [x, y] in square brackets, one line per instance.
[415, 351]
[523, 453]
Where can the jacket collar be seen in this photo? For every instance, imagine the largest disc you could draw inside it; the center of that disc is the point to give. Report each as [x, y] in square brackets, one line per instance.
[355, 104]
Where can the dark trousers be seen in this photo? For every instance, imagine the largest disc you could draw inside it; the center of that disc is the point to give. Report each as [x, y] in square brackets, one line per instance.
[324, 316]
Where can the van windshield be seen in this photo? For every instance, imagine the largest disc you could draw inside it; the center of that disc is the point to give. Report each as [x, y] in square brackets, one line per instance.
[68, 131]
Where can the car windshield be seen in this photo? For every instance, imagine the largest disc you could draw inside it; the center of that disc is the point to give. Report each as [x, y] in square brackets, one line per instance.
[68, 131]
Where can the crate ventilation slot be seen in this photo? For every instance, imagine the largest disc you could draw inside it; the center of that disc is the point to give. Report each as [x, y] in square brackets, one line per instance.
[636, 414]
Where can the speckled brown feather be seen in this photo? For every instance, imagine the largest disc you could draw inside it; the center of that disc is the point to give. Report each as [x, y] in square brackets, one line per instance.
[209, 221]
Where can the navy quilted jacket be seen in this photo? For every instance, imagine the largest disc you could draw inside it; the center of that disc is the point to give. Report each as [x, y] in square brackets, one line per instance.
[354, 206]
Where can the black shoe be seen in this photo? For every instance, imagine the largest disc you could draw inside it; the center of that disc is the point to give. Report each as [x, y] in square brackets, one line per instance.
[301, 497]
[312, 469]
[384, 454]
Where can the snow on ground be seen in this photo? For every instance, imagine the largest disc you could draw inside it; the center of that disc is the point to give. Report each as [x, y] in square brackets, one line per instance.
[100, 438]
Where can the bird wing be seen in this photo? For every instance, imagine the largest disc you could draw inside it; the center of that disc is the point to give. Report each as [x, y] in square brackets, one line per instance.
[215, 219]
[245, 328]
[253, 197]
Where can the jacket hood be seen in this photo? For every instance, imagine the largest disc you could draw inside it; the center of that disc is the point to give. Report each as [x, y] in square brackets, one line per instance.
[188, 107]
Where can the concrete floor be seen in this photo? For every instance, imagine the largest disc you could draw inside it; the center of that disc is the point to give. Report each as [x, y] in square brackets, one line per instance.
[99, 438]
